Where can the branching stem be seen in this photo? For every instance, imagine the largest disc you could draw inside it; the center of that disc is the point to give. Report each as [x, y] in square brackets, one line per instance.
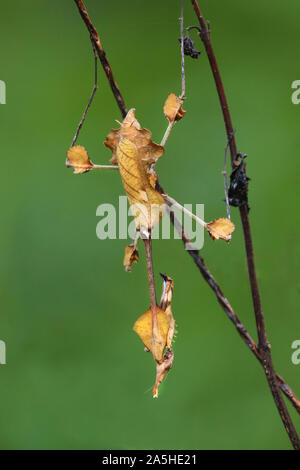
[263, 345]
[263, 355]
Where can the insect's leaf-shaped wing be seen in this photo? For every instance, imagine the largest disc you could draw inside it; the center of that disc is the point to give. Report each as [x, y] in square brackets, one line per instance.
[154, 339]
[147, 204]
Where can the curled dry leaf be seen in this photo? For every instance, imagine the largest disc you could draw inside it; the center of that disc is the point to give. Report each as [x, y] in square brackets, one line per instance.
[221, 228]
[136, 155]
[78, 159]
[173, 108]
[131, 256]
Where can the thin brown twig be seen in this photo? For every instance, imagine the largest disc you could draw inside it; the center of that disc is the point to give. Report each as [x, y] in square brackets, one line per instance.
[263, 345]
[182, 95]
[288, 392]
[194, 254]
[102, 56]
[205, 36]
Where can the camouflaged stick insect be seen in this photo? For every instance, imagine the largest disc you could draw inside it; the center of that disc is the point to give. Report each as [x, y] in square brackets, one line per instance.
[135, 155]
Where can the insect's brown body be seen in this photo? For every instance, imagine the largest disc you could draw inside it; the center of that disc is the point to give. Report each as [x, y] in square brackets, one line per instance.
[136, 154]
[147, 204]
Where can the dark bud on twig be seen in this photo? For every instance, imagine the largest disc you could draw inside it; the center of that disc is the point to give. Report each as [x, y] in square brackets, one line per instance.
[238, 188]
[188, 47]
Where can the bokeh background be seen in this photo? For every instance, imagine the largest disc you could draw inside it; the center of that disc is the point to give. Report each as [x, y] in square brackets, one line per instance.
[76, 375]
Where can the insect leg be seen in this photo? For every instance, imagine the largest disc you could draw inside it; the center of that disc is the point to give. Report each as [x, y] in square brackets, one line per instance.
[91, 97]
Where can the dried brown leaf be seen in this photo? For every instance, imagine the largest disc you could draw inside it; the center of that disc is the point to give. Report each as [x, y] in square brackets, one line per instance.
[221, 228]
[173, 108]
[78, 159]
[131, 256]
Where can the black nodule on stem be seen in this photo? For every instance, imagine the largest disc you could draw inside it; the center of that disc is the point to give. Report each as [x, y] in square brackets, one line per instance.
[238, 188]
[188, 47]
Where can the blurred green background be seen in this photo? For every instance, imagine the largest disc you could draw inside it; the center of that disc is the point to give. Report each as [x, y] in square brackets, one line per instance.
[76, 375]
